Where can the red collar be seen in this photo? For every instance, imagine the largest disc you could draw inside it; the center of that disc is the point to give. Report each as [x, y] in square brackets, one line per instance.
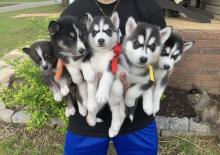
[117, 51]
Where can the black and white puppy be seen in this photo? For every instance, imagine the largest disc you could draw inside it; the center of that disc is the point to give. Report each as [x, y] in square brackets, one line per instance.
[171, 53]
[141, 46]
[69, 38]
[103, 36]
[42, 53]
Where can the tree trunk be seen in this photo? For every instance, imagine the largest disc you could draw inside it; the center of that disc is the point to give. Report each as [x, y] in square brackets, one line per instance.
[64, 3]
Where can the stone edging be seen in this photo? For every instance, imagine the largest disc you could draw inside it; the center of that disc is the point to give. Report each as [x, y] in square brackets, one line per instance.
[167, 126]
[170, 126]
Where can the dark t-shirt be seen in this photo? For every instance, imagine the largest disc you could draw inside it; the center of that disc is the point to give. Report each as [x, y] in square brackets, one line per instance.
[143, 11]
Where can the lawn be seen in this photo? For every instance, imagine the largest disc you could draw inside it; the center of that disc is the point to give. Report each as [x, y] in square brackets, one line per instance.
[17, 140]
[18, 32]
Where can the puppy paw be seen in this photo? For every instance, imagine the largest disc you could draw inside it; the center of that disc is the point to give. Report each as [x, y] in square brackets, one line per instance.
[102, 97]
[91, 121]
[112, 132]
[57, 97]
[91, 105]
[64, 91]
[70, 111]
[77, 79]
[82, 111]
[89, 75]
[156, 109]
[148, 110]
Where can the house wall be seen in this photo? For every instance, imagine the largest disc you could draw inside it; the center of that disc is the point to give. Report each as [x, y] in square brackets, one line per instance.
[201, 64]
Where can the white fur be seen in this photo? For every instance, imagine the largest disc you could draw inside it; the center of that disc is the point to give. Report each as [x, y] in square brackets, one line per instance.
[130, 26]
[115, 20]
[73, 68]
[100, 62]
[43, 61]
[148, 101]
[64, 89]
[57, 96]
[160, 73]
[165, 34]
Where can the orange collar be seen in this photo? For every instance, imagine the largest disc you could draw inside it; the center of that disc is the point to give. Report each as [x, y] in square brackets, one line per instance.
[59, 69]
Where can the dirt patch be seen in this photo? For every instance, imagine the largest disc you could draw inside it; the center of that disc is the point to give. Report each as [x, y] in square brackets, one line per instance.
[37, 15]
[40, 135]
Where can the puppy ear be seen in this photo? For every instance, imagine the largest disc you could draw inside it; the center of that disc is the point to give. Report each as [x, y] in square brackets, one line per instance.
[165, 34]
[130, 25]
[115, 19]
[187, 45]
[86, 20]
[26, 50]
[53, 27]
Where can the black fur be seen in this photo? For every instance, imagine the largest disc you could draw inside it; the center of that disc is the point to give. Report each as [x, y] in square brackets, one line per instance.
[164, 80]
[67, 24]
[147, 85]
[107, 20]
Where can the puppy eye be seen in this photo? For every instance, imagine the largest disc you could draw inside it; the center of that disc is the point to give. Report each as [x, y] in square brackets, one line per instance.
[94, 32]
[163, 52]
[174, 56]
[136, 44]
[152, 47]
[109, 32]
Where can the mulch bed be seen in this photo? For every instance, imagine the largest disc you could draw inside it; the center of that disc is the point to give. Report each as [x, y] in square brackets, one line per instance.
[175, 103]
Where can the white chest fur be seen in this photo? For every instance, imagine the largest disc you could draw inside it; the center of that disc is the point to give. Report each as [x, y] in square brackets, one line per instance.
[101, 60]
[159, 74]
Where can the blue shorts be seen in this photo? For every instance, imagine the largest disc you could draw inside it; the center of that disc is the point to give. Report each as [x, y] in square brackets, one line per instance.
[142, 142]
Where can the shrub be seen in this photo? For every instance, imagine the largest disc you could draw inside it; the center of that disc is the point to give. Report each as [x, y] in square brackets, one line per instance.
[32, 95]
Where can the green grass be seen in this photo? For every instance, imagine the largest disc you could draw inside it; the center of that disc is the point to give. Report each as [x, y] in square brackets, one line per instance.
[19, 145]
[49, 142]
[18, 32]
[22, 0]
[191, 145]
[18, 140]
[5, 4]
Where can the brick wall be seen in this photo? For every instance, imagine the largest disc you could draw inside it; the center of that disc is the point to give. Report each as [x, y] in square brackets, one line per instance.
[200, 65]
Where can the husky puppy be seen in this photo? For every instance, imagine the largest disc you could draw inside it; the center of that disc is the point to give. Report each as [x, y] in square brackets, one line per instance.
[172, 52]
[103, 36]
[69, 39]
[206, 108]
[42, 53]
[141, 46]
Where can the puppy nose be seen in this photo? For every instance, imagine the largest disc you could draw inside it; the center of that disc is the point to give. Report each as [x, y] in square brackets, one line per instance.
[101, 41]
[166, 67]
[143, 59]
[82, 50]
[45, 67]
